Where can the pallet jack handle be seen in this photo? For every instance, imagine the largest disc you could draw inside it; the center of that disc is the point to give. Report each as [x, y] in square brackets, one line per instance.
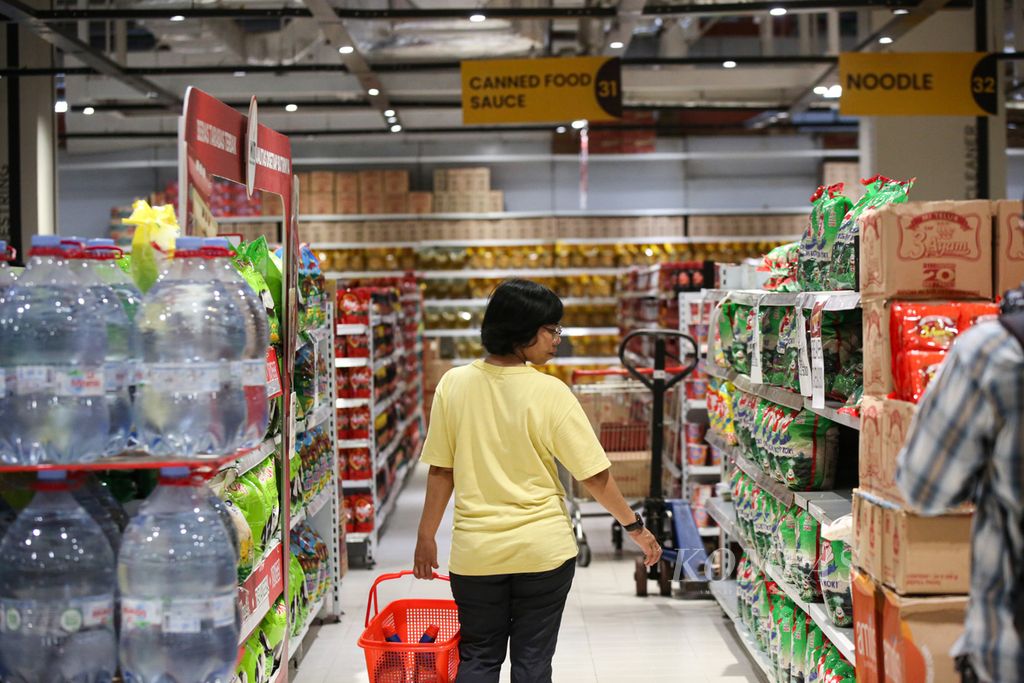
[659, 371]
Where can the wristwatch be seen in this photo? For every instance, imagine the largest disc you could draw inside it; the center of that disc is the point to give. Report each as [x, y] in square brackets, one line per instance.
[635, 526]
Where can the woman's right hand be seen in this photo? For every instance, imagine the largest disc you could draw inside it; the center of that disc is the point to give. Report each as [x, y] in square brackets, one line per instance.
[425, 558]
[648, 544]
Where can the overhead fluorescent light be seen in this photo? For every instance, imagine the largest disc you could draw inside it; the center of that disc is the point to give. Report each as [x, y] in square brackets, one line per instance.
[729, 64]
[291, 107]
[60, 107]
[89, 111]
[178, 17]
[560, 130]
[392, 119]
[820, 90]
[616, 45]
[900, 11]
[885, 40]
[389, 112]
[373, 92]
[478, 18]
[579, 123]
[397, 128]
[239, 74]
[346, 49]
[835, 92]
[777, 11]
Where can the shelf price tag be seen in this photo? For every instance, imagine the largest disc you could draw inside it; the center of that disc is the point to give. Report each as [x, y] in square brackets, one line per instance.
[803, 362]
[756, 372]
[817, 354]
[274, 386]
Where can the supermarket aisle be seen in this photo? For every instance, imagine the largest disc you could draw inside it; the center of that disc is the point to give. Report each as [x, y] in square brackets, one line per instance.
[607, 636]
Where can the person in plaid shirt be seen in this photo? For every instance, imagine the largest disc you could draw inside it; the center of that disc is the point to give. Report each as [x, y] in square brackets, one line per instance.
[966, 444]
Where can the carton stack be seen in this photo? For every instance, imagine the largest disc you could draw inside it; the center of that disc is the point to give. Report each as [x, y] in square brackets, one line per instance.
[912, 573]
[466, 190]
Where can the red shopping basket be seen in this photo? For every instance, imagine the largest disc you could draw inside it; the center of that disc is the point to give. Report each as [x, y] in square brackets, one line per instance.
[411, 661]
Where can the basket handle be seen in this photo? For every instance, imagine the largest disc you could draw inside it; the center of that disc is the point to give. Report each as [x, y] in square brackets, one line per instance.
[372, 599]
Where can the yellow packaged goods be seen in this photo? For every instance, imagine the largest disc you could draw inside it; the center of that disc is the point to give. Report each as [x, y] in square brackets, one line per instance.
[927, 250]
[154, 225]
[917, 636]
[1009, 245]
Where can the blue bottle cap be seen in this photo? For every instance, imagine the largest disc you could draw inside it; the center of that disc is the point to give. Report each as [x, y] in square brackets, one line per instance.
[3, 245]
[46, 240]
[53, 475]
[174, 472]
[100, 242]
[219, 242]
[189, 243]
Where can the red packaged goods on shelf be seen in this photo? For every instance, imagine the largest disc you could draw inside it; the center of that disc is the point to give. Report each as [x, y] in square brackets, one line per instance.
[867, 627]
[359, 464]
[696, 454]
[360, 380]
[920, 326]
[358, 346]
[696, 390]
[916, 371]
[344, 386]
[341, 416]
[695, 433]
[348, 510]
[343, 464]
[354, 306]
[973, 313]
[927, 250]
[359, 423]
[1009, 245]
[917, 636]
[362, 511]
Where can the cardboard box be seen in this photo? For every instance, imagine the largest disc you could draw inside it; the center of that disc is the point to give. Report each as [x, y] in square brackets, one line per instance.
[897, 417]
[632, 472]
[869, 460]
[321, 203]
[929, 555]
[305, 182]
[371, 184]
[440, 180]
[1009, 245]
[917, 635]
[867, 541]
[867, 627]
[443, 202]
[347, 204]
[271, 205]
[496, 201]
[371, 204]
[877, 349]
[346, 184]
[321, 182]
[927, 250]
[396, 182]
[421, 202]
[396, 203]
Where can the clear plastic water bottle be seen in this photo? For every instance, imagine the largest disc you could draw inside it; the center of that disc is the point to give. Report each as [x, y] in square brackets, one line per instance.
[7, 277]
[179, 588]
[53, 408]
[89, 493]
[57, 592]
[122, 346]
[253, 367]
[191, 333]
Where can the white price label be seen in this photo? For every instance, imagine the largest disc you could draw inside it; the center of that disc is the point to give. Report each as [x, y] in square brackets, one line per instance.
[182, 378]
[79, 382]
[802, 360]
[817, 356]
[254, 372]
[756, 373]
[32, 379]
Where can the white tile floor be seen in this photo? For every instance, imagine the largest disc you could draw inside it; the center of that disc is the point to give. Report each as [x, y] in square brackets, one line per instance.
[608, 635]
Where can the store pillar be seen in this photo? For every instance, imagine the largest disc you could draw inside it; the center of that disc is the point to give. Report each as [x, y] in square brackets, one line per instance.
[28, 139]
[947, 154]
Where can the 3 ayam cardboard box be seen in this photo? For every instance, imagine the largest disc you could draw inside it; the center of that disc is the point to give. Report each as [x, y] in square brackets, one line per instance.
[913, 572]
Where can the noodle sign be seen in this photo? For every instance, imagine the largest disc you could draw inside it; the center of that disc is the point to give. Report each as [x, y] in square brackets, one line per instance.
[541, 90]
[918, 84]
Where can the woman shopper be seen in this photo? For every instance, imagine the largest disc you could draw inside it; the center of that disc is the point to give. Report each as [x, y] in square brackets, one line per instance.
[496, 428]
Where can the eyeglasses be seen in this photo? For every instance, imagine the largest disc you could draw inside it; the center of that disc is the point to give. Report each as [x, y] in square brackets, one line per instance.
[554, 330]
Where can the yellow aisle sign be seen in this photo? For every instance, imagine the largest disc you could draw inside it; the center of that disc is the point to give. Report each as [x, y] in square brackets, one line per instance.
[541, 90]
[918, 84]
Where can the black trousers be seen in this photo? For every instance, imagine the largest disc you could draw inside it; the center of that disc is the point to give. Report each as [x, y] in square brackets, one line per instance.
[967, 675]
[524, 609]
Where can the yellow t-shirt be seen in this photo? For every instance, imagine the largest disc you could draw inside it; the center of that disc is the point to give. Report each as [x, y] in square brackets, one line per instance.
[500, 429]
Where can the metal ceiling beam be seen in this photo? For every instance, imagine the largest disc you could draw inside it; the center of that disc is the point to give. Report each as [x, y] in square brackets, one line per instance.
[71, 46]
[595, 12]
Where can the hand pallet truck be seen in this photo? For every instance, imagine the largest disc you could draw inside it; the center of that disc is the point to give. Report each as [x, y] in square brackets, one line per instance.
[671, 521]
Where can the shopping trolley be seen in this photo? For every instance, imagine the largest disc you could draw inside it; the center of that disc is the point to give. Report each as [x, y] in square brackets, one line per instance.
[410, 661]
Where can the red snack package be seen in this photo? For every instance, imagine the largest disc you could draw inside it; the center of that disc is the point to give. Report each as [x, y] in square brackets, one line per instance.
[358, 346]
[359, 464]
[362, 510]
[344, 386]
[359, 423]
[348, 512]
[360, 379]
[342, 464]
[695, 432]
[354, 306]
[918, 369]
[918, 326]
[973, 313]
[343, 425]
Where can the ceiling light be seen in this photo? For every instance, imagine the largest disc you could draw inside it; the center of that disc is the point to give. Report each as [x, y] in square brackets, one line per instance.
[373, 92]
[820, 90]
[389, 112]
[900, 11]
[777, 11]
[178, 17]
[478, 18]
[346, 49]
[60, 106]
[579, 123]
[560, 129]
[616, 45]
[835, 92]
[291, 107]
[239, 74]
[392, 119]
[729, 64]
[397, 128]
[88, 111]
[885, 40]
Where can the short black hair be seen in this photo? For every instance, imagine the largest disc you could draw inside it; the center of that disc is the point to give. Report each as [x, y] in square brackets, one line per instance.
[516, 310]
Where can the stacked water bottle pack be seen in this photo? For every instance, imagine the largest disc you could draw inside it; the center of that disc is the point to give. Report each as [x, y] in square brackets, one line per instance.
[178, 372]
[90, 367]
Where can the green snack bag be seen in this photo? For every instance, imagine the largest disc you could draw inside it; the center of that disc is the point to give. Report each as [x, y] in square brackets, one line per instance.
[812, 653]
[829, 207]
[246, 494]
[798, 647]
[297, 597]
[264, 476]
[770, 323]
[787, 542]
[785, 369]
[743, 339]
[826, 662]
[273, 628]
[849, 378]
[834, 571]
[806, 451]
[879, 191]
[248, 670]
[782, 263]
[806, 572]
[785, 627]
